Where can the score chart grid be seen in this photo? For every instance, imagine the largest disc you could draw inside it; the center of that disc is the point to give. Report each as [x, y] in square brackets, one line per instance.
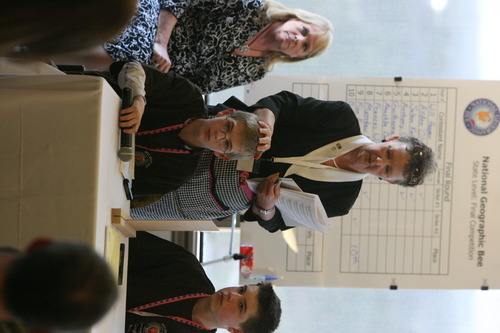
[390, 229]
[309, 257]
[394, 229]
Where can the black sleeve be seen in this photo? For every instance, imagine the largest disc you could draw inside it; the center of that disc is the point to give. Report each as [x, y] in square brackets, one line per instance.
[231, 103]
[115, 68]
[161, 87]
[170, 87]
[284, 101]
[308, 113]
[236, 103]
[272, 225]
[147, 251]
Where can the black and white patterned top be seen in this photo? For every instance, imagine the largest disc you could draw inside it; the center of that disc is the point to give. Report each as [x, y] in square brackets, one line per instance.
[216, 190]
[200, 47]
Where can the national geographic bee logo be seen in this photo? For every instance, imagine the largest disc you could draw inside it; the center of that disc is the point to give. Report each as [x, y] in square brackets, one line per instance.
[481, 117]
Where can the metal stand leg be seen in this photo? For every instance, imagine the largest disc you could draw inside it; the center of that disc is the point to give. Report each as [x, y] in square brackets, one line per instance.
[231, 255]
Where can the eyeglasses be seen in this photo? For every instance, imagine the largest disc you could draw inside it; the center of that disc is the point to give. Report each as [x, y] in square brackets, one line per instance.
[227, 127]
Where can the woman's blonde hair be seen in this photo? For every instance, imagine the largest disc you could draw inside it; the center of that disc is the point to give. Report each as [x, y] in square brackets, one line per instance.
[41, 28]
[275, 11]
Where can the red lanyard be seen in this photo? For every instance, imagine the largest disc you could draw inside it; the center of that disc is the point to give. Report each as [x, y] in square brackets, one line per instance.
[163, 130]
[172, 300]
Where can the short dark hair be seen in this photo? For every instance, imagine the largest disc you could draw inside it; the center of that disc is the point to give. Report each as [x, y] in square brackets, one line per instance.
[269, 312]
[62, 286]
[422, 162]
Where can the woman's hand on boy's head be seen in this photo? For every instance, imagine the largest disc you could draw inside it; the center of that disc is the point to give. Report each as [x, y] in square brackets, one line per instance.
[130, 118]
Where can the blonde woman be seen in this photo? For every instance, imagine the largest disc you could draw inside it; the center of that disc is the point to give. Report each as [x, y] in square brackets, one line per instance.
[216, 44]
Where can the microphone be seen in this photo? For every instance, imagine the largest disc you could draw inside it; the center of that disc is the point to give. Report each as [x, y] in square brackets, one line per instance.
[126, 152]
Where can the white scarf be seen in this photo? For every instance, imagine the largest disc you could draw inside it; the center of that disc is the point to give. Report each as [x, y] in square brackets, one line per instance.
[310, 167]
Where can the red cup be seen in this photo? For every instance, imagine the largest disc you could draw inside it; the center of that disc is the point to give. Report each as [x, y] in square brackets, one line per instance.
[246, 265]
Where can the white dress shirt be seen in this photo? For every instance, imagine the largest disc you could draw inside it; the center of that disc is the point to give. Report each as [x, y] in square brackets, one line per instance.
[309, 166]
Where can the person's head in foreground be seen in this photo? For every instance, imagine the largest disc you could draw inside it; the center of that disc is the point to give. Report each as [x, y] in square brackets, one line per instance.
[244, 309]
[42, 28]
[401, 160]
[59, 285]
[231, 135]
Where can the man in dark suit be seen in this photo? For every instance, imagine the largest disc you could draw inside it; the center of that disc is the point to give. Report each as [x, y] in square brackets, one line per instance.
[319, 145]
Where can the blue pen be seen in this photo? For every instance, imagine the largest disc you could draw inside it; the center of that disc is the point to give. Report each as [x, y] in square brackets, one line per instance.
[262, 277]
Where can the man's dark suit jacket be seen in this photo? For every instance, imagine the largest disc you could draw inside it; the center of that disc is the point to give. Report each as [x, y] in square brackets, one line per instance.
[303, 125]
